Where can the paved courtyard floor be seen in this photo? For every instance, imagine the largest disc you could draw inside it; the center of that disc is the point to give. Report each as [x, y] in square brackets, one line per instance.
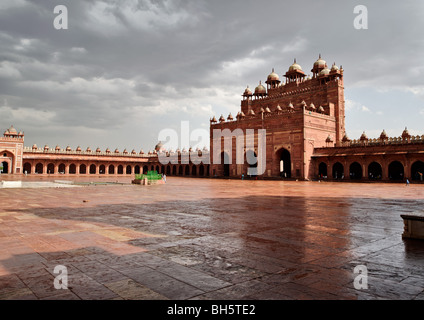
[210, 239]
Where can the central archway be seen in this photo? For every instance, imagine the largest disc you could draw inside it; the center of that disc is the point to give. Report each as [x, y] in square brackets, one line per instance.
[284, 163]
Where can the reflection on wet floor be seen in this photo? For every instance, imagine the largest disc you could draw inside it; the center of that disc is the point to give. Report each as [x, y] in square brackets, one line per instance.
[211, 239]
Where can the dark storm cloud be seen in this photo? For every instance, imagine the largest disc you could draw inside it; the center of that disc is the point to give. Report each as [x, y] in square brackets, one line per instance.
[126, 68]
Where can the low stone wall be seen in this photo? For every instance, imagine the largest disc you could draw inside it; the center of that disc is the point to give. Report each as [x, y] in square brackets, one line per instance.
[413, 226]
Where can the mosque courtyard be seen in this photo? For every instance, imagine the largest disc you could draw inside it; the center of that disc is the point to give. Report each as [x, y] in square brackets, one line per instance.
[194, 238]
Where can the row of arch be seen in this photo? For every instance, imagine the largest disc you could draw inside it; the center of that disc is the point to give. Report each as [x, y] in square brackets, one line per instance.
[111, 169]
[396, 171]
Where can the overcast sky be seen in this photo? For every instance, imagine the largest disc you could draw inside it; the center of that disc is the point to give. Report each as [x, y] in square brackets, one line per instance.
[124, 70]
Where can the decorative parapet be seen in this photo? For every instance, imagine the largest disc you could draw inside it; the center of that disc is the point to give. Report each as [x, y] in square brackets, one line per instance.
[86, 152]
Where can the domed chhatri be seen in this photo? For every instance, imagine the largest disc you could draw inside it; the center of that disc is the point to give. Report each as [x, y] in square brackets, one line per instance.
[320, 63]
[247, 92]
[273, 76]
[260, 89]
[295, 66]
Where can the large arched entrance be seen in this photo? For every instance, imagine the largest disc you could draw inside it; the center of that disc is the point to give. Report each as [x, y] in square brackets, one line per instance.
[355, 171]
[375, 171]
[284, 163]
[338, 171]
[396, 170]
[417, 171]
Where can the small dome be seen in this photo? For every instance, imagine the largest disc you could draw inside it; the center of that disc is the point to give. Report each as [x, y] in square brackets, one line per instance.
[405, 133]
[295, 66]
[107, 150]
[320, 63]
[205, 148]
[290, 106]
[46, 147]
[345, 138]
[141, 151]
[312, 106]
[133, 151]
[116, 150]
[247, 92]
[213, 120]
[260, 89]
[334, 67]
[68, 148]
[267, 110]
[158, 147]
[363, 136]
[88, 149]
[98, 150]
[221, 118]
[230, 117]
[34, 146]
[125, 151]
[251, 112]
[12, 130]
[279, 108]
[79, 149]
[383, 134]
[324, 72]
[320, 109]
[57, 148]
[242, 114]
[273, 77]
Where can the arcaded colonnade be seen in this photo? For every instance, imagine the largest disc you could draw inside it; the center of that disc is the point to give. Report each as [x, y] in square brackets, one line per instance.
[389, 159]
[77, 162]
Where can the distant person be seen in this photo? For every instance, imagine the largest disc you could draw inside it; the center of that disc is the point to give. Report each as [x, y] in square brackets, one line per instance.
[407, 182]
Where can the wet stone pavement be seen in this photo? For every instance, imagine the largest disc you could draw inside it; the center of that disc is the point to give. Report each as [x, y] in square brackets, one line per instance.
[210, 239]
